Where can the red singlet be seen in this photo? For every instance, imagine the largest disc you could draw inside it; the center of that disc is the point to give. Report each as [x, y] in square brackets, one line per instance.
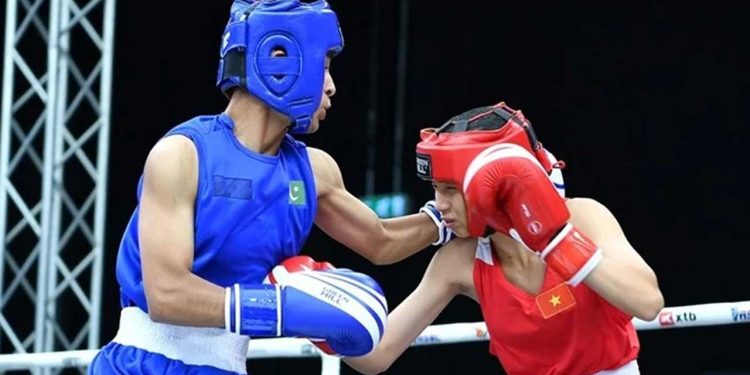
[580, 339]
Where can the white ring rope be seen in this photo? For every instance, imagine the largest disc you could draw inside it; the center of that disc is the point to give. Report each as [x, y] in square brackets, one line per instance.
[709, 314]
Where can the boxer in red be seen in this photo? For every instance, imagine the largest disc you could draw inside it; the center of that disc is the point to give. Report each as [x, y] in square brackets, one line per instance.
[557, 280]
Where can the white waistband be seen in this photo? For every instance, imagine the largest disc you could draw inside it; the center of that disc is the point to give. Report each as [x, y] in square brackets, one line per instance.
[192, 345]
[630, 368]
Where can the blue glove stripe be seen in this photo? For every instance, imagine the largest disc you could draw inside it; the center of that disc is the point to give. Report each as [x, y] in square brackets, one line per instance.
[445, 234]
[340, 299]
[435, 215]
[378, 295]
[379, 316]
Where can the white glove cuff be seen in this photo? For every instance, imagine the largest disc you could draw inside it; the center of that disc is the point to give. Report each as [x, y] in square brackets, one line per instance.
[433, 213]
[587, 268]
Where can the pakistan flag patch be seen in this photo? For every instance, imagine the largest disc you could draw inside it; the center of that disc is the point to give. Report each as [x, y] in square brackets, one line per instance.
[296, 192]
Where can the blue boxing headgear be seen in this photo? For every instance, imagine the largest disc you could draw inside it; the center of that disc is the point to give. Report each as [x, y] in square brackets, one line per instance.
[291, 84]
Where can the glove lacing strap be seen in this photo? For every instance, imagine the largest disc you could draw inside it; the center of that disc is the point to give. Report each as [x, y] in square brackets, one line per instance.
[444, 233]
[232, 322]
[578, 255]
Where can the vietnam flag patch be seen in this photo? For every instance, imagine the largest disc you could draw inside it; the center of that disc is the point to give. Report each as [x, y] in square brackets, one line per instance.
[555, 300]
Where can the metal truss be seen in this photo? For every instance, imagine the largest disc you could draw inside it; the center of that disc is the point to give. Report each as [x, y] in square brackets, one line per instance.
[54, 145]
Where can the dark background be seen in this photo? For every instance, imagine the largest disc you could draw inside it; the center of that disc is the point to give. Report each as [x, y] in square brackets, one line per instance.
[646, 104]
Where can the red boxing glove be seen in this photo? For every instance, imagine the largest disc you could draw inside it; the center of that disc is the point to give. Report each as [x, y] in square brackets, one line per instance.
[296, 264]
[511, 191]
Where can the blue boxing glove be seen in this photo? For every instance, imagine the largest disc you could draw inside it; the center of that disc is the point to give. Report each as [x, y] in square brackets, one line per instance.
[346, 309]
[445, 234]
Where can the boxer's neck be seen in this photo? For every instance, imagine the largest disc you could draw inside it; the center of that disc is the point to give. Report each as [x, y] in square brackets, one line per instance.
[256, 125]
[511, 252]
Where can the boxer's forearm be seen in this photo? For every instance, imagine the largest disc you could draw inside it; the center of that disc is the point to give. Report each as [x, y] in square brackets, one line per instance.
[405, 236]
[188, 301]
[630, 288]
[623, 277]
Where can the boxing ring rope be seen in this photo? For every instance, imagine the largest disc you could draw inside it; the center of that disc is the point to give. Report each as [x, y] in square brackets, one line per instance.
[709, 314]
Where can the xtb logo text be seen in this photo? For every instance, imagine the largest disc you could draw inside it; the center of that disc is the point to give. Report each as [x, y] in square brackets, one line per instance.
[669, 318]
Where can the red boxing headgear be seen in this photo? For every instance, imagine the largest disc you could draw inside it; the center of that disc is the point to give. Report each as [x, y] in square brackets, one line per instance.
[445, 153]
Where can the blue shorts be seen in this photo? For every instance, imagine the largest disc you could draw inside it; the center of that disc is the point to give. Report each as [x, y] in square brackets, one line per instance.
[115, 358]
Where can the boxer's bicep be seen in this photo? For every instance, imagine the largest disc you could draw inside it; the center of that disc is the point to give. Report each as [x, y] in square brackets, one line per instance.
[352, 223]
[340, 214]
[165, 223]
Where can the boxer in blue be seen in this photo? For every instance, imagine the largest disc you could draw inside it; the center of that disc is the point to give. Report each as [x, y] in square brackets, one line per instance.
[223, 199]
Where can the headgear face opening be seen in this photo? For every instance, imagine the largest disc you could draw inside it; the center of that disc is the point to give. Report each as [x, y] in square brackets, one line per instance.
[444, 153]
[292, 82]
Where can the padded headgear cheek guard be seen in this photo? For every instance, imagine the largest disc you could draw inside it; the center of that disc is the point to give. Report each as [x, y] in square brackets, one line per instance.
[291, 83]
[445, 155]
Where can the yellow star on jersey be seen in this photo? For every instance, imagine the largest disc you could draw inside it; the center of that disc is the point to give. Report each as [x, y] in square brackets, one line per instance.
[555, 300]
